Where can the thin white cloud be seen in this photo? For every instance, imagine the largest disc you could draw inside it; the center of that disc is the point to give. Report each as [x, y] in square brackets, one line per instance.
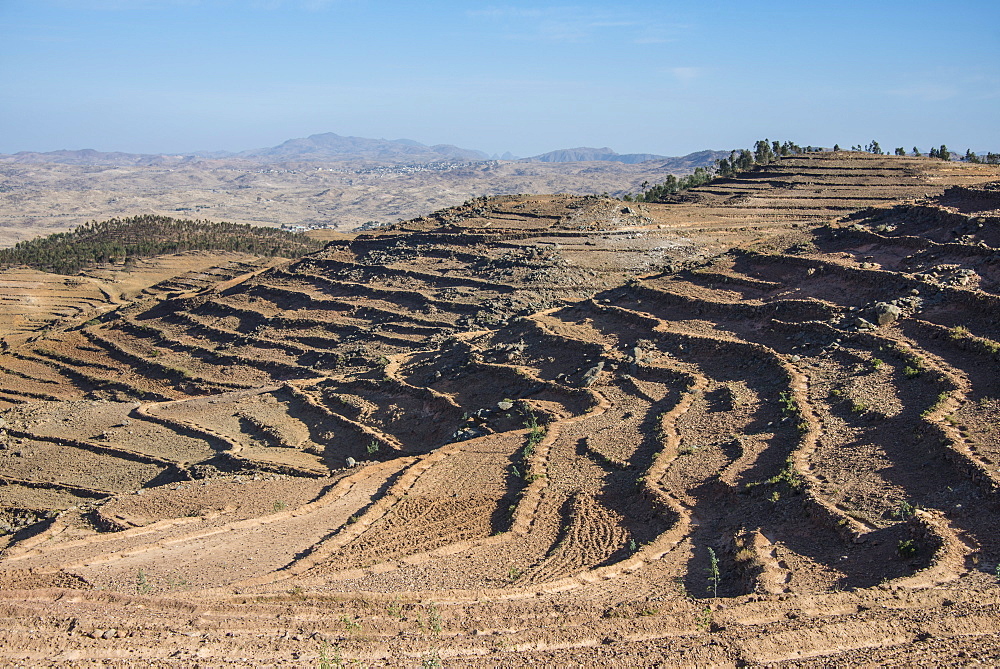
[686, 74]
[927, 92]
[122, 5]
[130, 5]
[506, 12]
[571, 24]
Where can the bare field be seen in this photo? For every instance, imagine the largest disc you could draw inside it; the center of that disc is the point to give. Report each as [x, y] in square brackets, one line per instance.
[757, 426]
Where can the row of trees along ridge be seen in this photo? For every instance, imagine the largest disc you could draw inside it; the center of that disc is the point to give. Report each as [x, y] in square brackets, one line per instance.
[127, 239]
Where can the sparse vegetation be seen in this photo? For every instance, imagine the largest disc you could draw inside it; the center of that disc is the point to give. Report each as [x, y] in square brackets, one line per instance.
[714, 577]
[904, 510]
[788, 403]
[329, 656]
[704, 618]
[906, 548]
[142, 584]
[723, 355]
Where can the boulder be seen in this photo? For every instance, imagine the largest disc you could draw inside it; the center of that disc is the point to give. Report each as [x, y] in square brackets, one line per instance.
[886, 313]
[590, 376]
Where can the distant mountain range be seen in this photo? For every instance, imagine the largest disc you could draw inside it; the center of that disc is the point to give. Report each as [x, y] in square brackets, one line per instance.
[331, 147]
[585, 154]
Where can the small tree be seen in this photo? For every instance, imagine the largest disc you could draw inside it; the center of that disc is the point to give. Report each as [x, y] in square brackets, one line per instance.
[916, 152]
[900, 151]
[944, 153]
[762, 152]
[836, 147]
[933, 153]
[713, 573]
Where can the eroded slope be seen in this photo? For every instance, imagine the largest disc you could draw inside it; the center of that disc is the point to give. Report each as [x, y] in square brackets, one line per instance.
[559, 411]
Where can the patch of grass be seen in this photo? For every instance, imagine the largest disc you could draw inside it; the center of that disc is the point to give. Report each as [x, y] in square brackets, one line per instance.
[911, 372]
[176, 583]
[142, 584]
[941, 399]
[329, 657]
[279, 505]
[787, 476]
[958, 332]
[703, 620]
[434, 619]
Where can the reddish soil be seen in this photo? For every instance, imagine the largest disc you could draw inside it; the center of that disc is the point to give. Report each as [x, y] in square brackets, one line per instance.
[520, 431]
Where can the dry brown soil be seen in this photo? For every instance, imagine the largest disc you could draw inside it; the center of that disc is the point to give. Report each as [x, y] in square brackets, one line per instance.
[522, 431]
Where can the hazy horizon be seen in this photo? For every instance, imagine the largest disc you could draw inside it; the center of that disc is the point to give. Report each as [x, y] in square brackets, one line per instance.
[180, 76]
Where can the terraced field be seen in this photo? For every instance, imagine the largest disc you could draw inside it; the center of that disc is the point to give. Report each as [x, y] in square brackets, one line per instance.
[755, 426]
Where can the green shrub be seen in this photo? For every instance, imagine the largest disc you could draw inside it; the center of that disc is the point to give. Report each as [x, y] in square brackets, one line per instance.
[906, 548]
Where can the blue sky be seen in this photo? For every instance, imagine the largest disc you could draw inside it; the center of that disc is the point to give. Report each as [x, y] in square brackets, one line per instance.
[660, 77]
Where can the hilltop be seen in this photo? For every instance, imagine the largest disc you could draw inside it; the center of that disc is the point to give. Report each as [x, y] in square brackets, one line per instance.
[756, 425]
[128, 240]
